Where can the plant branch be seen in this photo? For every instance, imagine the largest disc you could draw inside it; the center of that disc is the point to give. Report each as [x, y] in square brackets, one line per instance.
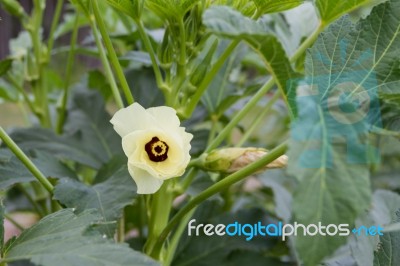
[111, 52]
[40, 88]
[194, 100]
[307, 43]
[104, 60]
[54, 23]
[258, 119]
[150, 50]
[71, 55]
[236, 119]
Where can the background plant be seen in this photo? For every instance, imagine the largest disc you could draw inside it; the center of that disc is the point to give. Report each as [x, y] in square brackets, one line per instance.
[231, 69]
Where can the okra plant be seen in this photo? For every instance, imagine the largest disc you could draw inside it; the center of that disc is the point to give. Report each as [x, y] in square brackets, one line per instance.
[198, 132]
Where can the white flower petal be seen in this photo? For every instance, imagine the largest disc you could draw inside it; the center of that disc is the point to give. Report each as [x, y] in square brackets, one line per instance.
[165, 116]
[131, 141]
[145, 182]
[132, 118]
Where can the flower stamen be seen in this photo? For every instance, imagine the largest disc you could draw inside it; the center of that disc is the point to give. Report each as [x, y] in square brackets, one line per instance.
[157, 150]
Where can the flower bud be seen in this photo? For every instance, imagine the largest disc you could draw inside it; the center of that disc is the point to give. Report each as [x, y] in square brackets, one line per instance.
[14, 8]
[229, 160]
[166, 52]
[201, 69]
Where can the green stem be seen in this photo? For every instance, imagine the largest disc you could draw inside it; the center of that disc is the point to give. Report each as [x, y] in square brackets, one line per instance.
[194, 100]
[213, 130]
[182, 57]
[111, 53]
[150, 50]
[26, 161]
[54, 24]
[188, 179]
[142, 214]
[104, 60]
[258, 119]
[217, 187]
[121, 229]
[210, 75]
[160, 210]
[40, 87]
[236, 119]
[68, 72]
[176, 237]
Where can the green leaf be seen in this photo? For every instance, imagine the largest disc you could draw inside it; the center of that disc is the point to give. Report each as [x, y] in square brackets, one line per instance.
[246, 7]
[8, 92]
[388, 253]
[62, 147]
[83, 5]
[337, 105]
[271, 6]
[109, 197]
[143, 85]
[384, 206]
[330, 10]
[220, 94]
[282, 197]
[138, 57]
[88, 138]
[246, 257]
[12, 170]
[97, 80]
[229, 23]
[330, 195]
[132, 8]
[88, 118]
[68, 24]
[364, 47]
[364, 11]
[168, 9]
[392, 227]
[5, 65]
[65, 239]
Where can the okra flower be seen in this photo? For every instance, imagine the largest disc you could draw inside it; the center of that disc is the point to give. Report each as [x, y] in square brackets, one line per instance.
[156, 146]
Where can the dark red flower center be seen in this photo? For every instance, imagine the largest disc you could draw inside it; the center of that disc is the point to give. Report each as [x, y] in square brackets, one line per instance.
[157, 150]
